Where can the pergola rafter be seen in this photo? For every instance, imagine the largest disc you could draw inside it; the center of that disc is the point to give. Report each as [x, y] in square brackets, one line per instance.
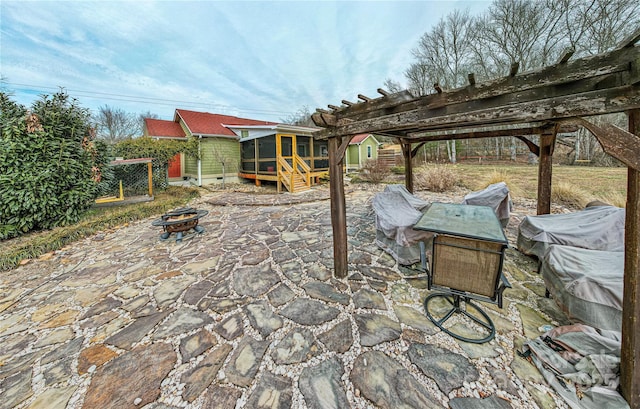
[543, 102]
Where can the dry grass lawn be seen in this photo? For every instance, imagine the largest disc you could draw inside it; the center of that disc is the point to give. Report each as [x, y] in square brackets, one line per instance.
[577, 184]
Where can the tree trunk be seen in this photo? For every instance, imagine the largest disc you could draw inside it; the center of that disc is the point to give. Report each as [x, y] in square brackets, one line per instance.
[451, 151]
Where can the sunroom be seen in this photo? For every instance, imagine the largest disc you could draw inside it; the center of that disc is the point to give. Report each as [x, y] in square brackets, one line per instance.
[285, 154]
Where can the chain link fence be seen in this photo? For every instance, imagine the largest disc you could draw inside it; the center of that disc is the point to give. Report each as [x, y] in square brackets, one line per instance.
[134, 176]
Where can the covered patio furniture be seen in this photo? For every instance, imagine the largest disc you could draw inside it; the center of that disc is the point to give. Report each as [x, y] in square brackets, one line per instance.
[586, 284]
[465, 266]
[496, 196]
[396, 211]
[595, 228]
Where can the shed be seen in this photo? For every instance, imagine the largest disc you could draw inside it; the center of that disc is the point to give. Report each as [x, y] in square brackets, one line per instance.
[362, 147]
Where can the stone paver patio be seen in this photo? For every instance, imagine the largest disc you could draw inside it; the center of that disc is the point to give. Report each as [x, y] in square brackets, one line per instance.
[248, 315]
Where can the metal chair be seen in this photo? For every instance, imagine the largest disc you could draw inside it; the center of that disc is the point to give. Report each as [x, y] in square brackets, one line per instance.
[461, 270]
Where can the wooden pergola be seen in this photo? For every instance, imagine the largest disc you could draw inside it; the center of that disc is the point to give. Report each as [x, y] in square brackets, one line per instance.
[544, 102]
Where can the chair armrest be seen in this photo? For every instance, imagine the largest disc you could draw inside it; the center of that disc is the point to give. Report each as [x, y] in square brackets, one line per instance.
[504, 284]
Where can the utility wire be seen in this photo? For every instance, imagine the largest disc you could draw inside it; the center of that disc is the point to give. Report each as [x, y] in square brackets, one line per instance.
[142, 99]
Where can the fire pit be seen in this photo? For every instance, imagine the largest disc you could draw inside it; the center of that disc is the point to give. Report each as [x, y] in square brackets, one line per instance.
[180, 221]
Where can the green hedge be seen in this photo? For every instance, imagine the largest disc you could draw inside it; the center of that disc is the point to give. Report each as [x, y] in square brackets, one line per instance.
[49, 164]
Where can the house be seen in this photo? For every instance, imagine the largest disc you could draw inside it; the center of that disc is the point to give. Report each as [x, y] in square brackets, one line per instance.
[233, 148]
[363, 147]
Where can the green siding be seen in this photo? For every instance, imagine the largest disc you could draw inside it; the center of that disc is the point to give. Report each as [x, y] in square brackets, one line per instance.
[352, 152]
[228, 148]
[190, 166]
[213, 148]
[374, 149]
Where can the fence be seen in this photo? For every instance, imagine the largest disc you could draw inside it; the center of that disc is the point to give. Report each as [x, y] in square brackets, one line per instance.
[132, 177]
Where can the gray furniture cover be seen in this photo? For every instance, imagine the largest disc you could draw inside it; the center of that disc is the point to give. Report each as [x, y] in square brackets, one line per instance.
[581, 363]
[496, 196]
[596, 228]
[397, 210]
[586, 284]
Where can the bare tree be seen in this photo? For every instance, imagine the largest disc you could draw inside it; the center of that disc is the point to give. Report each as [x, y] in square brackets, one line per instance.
[420, 82]
[444, 57]
[115, 124]
[392, 86]
[445, 52]
[518, 31]
[609, 22]
[530, 33]
[147, 114]
[224, 161]
[301, 117]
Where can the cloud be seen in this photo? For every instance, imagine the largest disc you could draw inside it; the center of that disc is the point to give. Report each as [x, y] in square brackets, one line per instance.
[247, 57]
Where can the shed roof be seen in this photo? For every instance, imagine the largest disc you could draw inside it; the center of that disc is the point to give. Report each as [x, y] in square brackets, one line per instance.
[163, 129]
[358, 139]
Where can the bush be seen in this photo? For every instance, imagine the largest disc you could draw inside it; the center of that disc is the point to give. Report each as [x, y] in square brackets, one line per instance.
[397, 170]
[374, 171]
[436, 178]
[49, 164]
[496, 176]
[162, 151]
[569, 195]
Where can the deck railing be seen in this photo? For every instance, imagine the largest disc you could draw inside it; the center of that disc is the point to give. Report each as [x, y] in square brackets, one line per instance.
[296, 176]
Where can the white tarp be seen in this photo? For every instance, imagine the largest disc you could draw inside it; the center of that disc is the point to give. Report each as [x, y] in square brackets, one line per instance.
[496, 196]
[586, 284]
[596, 228]
[397, 211]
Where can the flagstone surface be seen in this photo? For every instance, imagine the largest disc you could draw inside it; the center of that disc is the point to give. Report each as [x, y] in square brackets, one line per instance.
[249, 315]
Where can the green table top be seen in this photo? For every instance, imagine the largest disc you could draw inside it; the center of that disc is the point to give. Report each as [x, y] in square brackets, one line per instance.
[476, 222]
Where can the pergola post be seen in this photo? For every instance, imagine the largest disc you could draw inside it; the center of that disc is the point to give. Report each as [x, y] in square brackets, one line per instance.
[338, 207]
[408, 166]
[547, 141]
[630, 352]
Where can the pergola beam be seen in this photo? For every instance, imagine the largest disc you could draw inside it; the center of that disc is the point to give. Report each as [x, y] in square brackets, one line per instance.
[465, 115]
[616, 68]
[489, 132]
[616, 142]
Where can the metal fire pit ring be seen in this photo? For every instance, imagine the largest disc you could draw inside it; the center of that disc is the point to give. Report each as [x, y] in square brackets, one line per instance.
[179, 221]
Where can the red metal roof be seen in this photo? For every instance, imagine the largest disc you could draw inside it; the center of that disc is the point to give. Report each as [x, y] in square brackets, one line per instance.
[162, 128]
[204, 123]
[359, 138]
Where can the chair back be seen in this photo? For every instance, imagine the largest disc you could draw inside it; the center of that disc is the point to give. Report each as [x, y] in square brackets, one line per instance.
[466, 265]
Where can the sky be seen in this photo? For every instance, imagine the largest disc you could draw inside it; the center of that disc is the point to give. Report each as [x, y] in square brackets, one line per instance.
[253, 59]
